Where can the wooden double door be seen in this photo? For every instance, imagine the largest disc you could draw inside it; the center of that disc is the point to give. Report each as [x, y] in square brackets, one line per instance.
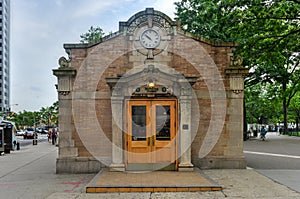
[151, 139]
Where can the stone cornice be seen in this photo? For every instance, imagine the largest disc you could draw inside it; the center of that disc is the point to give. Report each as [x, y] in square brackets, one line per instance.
[92, 44]
[68, 71]
[236, 71]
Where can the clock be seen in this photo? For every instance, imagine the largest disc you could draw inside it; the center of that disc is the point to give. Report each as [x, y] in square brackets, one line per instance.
[150, 38]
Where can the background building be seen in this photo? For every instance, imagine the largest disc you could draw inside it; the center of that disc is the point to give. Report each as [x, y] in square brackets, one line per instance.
[4, 55]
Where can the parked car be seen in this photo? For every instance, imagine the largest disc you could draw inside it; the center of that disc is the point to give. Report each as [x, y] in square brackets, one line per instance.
[41, 130]
[20, 133]
[29, 133]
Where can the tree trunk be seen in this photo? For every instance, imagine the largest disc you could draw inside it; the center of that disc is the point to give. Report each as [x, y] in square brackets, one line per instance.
[285, 129]
[297, 124]
[244, 115]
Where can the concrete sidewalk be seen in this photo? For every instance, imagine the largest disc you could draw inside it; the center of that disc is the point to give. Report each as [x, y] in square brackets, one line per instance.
[30, 173]
[235, 183]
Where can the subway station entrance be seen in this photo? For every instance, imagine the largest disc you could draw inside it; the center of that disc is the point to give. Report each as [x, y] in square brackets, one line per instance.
[150, 96]
[151, 139]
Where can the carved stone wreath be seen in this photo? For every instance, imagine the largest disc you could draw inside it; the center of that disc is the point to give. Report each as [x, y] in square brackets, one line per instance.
[158, 20]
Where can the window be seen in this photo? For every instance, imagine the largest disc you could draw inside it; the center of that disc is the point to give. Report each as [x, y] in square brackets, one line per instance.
[138, 123]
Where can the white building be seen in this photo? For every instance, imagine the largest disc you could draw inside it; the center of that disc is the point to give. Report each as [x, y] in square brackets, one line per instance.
[4, 55]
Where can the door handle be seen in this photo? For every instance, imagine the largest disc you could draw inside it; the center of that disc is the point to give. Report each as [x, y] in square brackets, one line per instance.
[153, 141]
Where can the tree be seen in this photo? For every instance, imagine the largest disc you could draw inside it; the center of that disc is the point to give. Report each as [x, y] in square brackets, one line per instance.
[46, 116]
[263, 103]
[93, 35]
[267, 33]
[204, 18]
[25, 118]
[49, 115]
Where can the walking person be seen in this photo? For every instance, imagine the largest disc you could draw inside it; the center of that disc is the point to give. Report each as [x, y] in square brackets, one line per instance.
[263, 133]
[49, 135]
[54, 136]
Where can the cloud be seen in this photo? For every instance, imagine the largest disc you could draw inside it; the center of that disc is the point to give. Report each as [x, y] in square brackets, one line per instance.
[36, 89]
[40, 28]
[166, 6]
[93, 7]
[59, 3]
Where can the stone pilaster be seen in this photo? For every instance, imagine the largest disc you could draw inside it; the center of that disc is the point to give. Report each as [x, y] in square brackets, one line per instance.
[117, 135]
[67, 150]
[234, 125]
[185, 163]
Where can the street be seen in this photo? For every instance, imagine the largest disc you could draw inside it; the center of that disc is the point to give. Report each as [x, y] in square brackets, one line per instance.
[277, 158]
[25, 142]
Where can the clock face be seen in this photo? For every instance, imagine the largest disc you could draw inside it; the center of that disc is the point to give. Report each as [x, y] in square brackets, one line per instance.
[150, 38]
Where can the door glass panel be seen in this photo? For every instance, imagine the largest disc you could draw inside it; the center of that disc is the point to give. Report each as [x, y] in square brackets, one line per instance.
[138, 123]
[163, 123]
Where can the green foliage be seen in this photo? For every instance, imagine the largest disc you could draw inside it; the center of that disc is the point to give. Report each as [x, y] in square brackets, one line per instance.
[93, 35]
[268, 37]
[263, 103]
[205, 18]
[294, 108]
[46, 116]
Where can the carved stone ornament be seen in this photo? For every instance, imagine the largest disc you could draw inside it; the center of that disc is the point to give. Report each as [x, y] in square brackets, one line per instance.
[134, 25]
[64, 87]
[64, 75]
[237, 72]
[63, 62]
[64, 93]
[185, 90]
[157, 19]
[237, 84]
[236, 61]
[117, 91]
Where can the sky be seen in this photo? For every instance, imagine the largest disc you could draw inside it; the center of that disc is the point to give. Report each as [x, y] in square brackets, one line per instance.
[39, 28]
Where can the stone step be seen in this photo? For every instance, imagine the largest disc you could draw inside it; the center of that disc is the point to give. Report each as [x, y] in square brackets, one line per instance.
[155, 181]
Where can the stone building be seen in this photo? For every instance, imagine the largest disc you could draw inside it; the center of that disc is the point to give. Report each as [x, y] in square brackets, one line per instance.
[150, 97]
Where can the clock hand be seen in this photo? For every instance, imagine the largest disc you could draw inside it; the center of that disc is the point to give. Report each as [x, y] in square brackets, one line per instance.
[148, 37]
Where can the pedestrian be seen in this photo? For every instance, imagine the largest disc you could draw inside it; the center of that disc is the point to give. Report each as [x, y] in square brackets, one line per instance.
[263, 133]
[54, 134]
[49, 135]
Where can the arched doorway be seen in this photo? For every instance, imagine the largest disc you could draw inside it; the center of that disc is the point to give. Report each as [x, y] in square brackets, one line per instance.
[147, 134]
